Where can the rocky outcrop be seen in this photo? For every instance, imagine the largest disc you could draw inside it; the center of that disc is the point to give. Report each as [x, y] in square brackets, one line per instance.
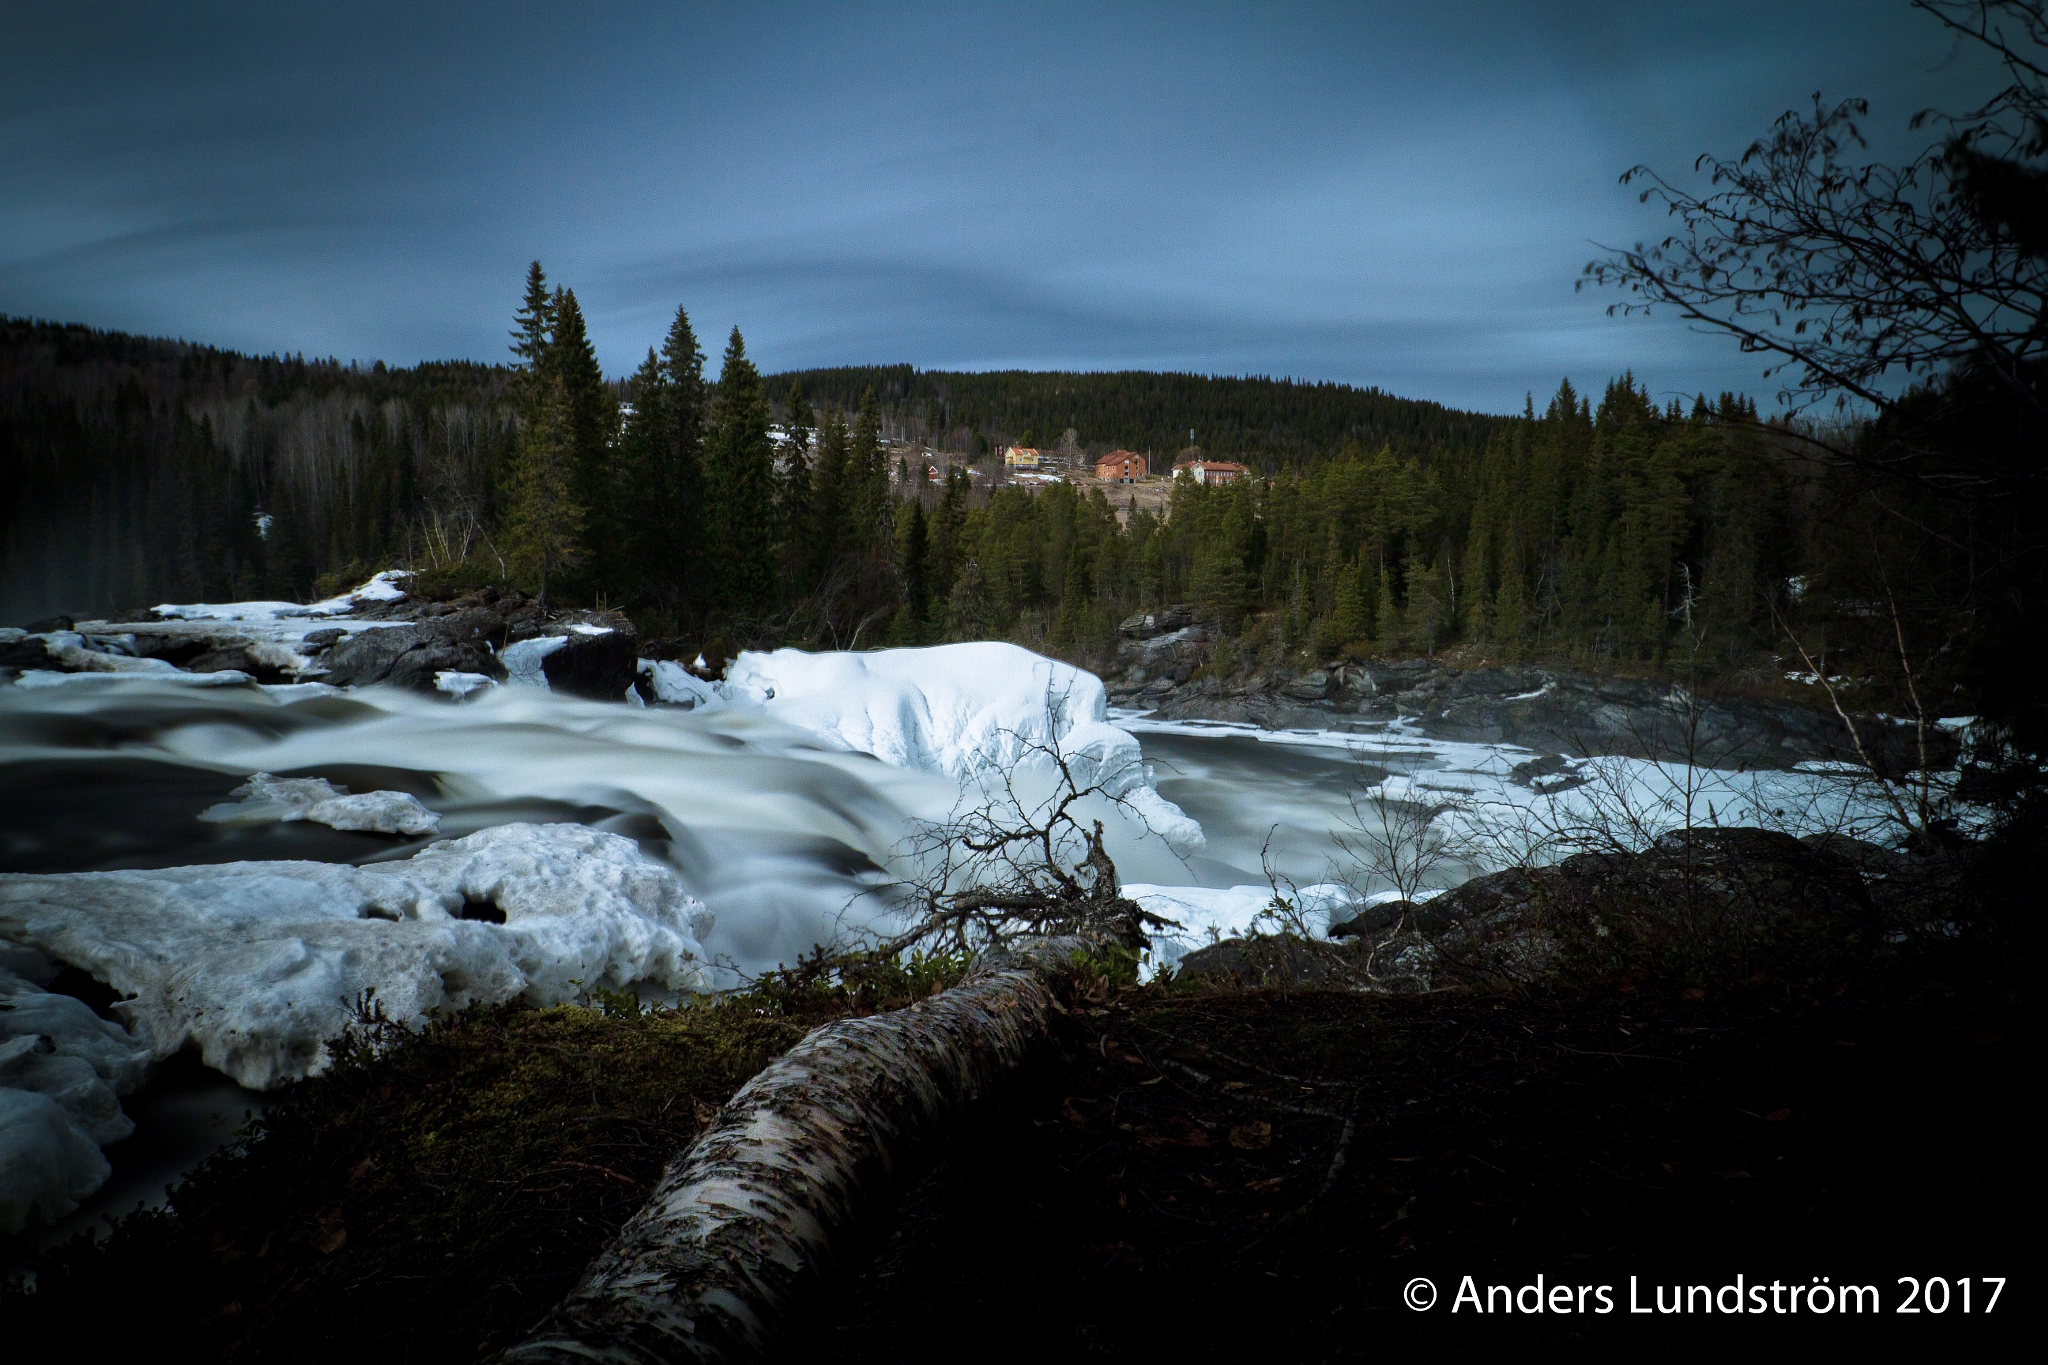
[1700, 896]
[1172, 674]
[399, 641]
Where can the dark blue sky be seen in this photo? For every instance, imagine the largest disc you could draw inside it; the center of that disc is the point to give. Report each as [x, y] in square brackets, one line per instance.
[1397, 194]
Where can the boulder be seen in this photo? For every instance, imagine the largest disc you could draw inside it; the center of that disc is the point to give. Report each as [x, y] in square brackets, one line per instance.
[600, 667]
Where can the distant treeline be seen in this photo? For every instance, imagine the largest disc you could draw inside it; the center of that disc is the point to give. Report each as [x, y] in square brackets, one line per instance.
[1266, 422]
[142, 471]
[1614, 534]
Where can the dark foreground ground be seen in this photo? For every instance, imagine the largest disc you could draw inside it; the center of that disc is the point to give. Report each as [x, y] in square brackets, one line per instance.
[1175, 1181]
[1179, 1192]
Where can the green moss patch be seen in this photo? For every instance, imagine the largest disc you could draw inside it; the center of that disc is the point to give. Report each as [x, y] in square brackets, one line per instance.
[426, 1199]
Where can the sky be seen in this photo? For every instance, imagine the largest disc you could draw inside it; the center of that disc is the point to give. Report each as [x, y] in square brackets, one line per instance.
[1400, 195]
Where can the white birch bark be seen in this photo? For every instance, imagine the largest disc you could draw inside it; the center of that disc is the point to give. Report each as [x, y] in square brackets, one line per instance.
[755, 1217]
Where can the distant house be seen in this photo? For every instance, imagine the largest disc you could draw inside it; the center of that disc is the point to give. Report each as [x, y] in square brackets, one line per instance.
[1211, 471]
[1021, 457]
[1120, 466]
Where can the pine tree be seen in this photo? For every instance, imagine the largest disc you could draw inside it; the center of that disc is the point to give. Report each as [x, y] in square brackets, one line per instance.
[868, 471]
[1388, 629]
[831, 515]
[793, 493]
[1427, 608]
[913, 558]
[534, 323]
[590, 424]
[1475, 599]
[1510, 612]
[544, 521]
[740, 463]
[679, 488]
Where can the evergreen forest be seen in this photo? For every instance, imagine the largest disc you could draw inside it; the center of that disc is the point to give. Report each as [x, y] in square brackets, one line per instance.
[865, 507]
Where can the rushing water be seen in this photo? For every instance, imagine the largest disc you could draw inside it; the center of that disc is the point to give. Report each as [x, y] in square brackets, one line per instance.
[787, 838]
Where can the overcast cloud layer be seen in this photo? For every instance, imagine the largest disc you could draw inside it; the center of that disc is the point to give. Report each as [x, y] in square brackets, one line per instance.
[1399, 195]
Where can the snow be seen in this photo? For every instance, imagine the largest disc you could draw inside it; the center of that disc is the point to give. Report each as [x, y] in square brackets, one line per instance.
[382, 587]
[1207, 914]
[266, 799]
[968, 711]
[43, 677]
[1495, 821]
[585, 628]
[458, 684]
[523, 660]
[258, 964]
[46, 1165]
[62, 1071]
[284, 694]
[675, 685]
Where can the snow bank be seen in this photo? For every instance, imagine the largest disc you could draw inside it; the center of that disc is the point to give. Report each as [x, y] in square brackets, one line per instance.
[266, 799]
[62, 1071]
[382, 587]
[965, 710]
[259, 963]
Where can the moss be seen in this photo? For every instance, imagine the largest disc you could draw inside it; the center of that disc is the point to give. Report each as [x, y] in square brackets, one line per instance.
[430, 1196]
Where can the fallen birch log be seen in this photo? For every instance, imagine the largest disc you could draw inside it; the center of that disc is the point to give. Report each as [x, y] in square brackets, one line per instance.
[748, 1224]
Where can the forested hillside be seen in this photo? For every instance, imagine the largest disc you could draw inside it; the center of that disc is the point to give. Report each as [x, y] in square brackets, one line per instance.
[1266, 421]
[1612, 534]
[141, 471]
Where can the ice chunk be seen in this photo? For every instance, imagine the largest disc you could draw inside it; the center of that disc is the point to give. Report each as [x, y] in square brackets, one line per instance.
[46, 1164]
[523, 660]
[677, 686]
[259, 963]
[965, 710]
[266, 799]
[458, 684]
[43, 677]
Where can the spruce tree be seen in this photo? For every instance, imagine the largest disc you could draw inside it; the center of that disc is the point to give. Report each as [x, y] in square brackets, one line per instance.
[678, 493]
[868, 473]
[741, 464]
[534, 323]
[793, 493]
[1388, 628]
[831, 497]
[913, 559]
[544, 520]
[590, 422]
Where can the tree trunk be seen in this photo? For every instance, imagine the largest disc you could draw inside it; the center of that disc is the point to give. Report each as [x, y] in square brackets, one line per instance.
[752, 1220]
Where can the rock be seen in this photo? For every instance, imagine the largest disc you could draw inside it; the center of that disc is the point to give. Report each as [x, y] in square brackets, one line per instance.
[600, 667]
[409, 656]
[1145, 625]
[1312, 686]
[1276, 960]
[1710, 895]
[50, 623]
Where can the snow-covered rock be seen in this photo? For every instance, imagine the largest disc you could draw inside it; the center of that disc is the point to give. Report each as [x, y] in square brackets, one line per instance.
[259, 964]
[1206, 914]
[965, 710]
[381, 587]
[523, 660]
[266, 799]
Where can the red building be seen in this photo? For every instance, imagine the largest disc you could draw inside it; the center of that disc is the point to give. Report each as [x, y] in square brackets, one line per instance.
[1120, 466]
